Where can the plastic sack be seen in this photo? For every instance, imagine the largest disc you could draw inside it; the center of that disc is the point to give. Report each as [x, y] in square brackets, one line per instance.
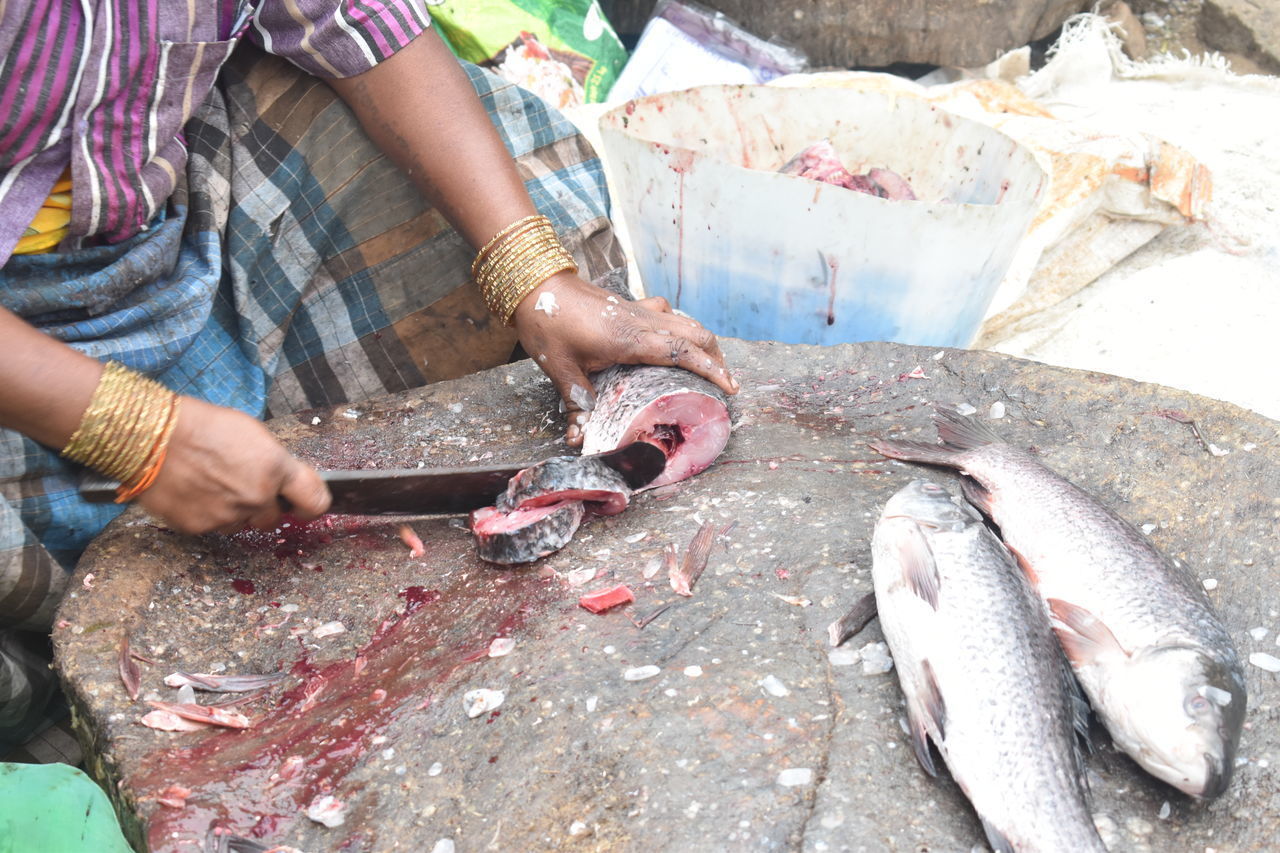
[564, 51]
[685, 45]
[55, 807]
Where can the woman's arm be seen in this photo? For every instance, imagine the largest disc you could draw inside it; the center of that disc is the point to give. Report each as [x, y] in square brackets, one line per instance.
[418, 106]
[223, 468]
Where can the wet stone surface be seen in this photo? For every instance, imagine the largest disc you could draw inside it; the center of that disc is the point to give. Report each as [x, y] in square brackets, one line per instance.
[751, 733]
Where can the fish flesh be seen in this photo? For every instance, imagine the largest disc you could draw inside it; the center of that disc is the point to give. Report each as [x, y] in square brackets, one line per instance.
[564, 478]
[543, 506]
[983, 677]
[1154, 659]
[820, 162]
[678, 411]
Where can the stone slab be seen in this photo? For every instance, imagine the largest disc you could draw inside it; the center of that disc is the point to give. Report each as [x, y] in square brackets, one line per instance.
[1250, 28]
[693, 758]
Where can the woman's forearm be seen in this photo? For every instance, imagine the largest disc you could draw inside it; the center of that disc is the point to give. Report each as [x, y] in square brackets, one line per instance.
[419, 108]
[45, 385]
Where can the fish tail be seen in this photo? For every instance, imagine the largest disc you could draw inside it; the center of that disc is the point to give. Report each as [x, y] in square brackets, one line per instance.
[917, 451]
[960, 433]
[957, 435]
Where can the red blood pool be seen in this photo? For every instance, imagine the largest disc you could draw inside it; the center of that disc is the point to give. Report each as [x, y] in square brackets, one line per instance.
[242, 586]
[416, 596]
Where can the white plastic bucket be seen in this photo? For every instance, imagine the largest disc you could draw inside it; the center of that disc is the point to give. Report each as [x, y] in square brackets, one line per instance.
[759, 255]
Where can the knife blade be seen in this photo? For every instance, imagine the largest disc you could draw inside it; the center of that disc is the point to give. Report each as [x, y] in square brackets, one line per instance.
[433, 491]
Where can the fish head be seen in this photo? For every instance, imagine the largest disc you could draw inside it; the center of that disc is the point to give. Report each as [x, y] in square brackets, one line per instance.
[1188, 708]
[930, 505]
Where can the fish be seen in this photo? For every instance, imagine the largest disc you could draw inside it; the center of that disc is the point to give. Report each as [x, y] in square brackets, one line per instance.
[820, 162]
[524, 535]
[542, 507]
[983, 677]
[1156, 662]
[678, 411]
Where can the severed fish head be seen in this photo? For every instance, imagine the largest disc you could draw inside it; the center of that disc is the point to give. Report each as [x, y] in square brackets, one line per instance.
[1187, 708]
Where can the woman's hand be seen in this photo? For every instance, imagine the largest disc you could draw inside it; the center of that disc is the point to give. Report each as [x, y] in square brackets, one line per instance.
[572, 329]
[224, 471]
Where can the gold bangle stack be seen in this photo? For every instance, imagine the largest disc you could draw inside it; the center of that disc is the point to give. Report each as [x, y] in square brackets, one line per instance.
[518, 258]
[125, 432]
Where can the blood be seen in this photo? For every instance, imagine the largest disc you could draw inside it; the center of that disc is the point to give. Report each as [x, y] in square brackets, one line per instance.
[416, 596]
[240, 585]
[310, 737]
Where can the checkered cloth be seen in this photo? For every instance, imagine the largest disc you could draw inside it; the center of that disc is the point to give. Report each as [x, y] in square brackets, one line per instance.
[294, 267]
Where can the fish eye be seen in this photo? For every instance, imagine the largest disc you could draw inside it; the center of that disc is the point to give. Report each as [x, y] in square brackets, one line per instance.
[1197, 706]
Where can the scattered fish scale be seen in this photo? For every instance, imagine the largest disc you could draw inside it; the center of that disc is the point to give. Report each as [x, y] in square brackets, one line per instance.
[1156, 662]
[982, 674]
[679, 411]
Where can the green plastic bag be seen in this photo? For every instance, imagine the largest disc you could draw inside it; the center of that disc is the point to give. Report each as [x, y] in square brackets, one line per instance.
[54, 808]
[564, 51]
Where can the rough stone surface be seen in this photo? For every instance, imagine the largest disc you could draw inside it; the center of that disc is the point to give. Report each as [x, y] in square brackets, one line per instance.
[703, 755]
[883, 32]
[1246, 27]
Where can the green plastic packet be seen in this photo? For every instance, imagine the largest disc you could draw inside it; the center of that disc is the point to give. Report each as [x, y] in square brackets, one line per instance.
[564, 51]
[54, 808]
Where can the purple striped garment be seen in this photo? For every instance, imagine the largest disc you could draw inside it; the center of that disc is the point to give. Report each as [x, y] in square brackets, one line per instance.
[106, 86]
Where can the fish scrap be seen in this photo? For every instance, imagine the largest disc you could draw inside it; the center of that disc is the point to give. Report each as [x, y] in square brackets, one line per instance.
[1155, 660]
[695, 559]
[852, 623]
[203, 714]
[983, 677]
[130, 674]
[820, 162]
[607, 599]
[222, 683]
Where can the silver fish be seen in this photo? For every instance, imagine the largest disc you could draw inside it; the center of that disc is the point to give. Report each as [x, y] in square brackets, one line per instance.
[1156, 662]
[984, 679]
[679, 411]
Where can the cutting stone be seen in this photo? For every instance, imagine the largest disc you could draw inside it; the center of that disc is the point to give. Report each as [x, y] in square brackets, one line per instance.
[722, 720]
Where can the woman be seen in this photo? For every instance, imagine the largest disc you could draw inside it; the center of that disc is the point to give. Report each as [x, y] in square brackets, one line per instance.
[260, 233]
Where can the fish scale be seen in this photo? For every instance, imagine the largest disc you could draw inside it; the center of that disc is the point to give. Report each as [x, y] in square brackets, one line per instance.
[983, 677]
[1158, 665]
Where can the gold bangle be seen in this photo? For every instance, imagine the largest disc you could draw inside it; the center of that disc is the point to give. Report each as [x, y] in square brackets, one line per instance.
[500, 235]
[526, 257]
[128, 417]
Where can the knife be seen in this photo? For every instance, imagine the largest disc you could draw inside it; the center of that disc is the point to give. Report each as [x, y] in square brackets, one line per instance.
[429, 491]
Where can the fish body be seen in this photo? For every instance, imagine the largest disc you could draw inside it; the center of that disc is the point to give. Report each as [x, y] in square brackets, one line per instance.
[679, 411]
[543, 505]
[983, 677]
[1157, 664]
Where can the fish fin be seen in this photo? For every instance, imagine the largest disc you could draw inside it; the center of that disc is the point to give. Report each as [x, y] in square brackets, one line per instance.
[927, 708]
[915, 451]
[976, 494]
[934, 705]
[920, 743]
[960, 433]
[996, 838]
[918, 567]
[1025, 565]
[1083, 636]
